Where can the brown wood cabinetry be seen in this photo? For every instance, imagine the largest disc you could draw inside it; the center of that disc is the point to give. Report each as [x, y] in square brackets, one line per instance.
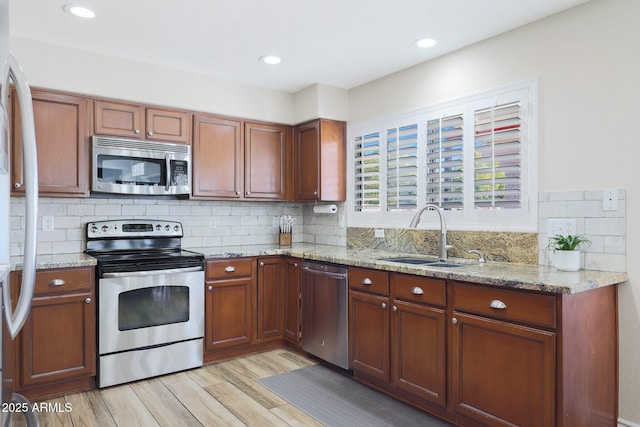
[229, 288]
[292, 331]
[57, 344]
[418, 345]
[267, 161]
[137, 121]
[369, 323]
[241, 160]
[319, 157]
[270, 300]
[62, 132]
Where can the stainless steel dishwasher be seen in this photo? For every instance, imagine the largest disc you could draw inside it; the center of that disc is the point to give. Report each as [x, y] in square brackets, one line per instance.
[325, 320]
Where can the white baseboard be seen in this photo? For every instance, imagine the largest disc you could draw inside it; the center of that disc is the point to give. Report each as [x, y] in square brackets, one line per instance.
[625, 423]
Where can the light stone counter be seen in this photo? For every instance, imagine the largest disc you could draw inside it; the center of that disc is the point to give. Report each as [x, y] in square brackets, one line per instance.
[78, 259]
[521, 276]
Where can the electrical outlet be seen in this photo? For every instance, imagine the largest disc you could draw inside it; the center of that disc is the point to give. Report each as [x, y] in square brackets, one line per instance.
[48, 223]
[379, 233]
[610, 200]
[561, 226]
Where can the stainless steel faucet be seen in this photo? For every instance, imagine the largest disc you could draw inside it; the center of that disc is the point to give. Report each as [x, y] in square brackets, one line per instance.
[443, 228]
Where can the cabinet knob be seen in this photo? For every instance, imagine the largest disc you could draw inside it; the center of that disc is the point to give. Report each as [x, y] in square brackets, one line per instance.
[17, 185]
[454, 320]
[261, 264]
[237, 193]
[210, 288]
[136, 131]
[295, 264]
[417, 290]
[315, 193]
[229, 269]
[57, 282]
[366, 281]
[394, 308]
[498, 305]
[87, 301]
[383, 305]
[150, 133]
[248, 193]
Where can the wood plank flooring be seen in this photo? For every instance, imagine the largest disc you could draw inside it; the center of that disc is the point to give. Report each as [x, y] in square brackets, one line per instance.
[221, 394]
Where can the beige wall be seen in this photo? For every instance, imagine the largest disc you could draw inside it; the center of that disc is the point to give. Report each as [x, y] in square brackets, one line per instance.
[588, 66]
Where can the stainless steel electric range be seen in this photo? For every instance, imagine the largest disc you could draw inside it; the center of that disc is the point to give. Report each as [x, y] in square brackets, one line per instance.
[150, 300]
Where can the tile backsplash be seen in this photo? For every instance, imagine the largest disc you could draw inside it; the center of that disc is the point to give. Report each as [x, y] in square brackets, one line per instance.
[206, 223]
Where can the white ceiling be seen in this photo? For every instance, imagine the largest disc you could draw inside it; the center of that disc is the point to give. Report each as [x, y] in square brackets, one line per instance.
[341, 43]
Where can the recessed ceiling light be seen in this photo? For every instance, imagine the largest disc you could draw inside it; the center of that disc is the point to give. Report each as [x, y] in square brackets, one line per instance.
[80, 11]
[270, 59]
[425, 43]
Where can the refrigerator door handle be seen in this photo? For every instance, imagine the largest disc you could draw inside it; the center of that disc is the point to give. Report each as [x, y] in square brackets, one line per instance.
[15, 319]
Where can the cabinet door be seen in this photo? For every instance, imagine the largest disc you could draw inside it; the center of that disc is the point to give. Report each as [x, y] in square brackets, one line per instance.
[62, 133]
[217, 157]
[168, 125]
[228, 313]
[307, 162]
[418, 350]
[270, 321]
[503, 374]
[118, 119]
[369, 334]
[292, 300]
[58, 339]
[267, 172]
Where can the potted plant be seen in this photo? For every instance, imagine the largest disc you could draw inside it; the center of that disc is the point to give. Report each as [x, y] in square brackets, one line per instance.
[566, 251]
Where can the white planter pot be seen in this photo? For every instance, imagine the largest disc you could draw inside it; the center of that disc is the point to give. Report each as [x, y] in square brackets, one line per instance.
[566, 260]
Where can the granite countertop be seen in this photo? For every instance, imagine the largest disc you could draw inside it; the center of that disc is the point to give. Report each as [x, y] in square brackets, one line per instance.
[531, 277]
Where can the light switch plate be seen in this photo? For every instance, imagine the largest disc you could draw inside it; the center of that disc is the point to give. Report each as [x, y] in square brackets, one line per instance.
[561, 226]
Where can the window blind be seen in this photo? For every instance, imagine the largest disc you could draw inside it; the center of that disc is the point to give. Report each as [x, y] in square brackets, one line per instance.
[402, 167]
[445, 159]
[367, 172]
[497, 167]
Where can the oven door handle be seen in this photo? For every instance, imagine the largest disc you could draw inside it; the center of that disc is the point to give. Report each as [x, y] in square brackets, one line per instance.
[149, 272]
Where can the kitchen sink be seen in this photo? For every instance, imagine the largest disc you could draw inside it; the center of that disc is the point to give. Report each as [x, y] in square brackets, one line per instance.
[421, 261]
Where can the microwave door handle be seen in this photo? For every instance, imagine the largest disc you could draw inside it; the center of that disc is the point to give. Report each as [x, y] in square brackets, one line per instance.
[168, 165]
[15, 319]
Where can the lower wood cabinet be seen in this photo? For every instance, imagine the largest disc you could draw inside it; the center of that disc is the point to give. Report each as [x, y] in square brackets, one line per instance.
[292, 329]
[57, 345]
[270, 300]
[229, 289]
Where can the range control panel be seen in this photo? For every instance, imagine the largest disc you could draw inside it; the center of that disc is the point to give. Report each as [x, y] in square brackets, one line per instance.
[133, 228]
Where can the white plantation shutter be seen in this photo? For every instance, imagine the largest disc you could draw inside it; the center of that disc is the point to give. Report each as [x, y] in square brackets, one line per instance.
[445, 159]
[402, 167]
[497, 166]
[367, 172]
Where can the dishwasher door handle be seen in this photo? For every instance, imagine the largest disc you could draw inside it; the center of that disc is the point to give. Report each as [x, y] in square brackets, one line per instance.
[339, 276]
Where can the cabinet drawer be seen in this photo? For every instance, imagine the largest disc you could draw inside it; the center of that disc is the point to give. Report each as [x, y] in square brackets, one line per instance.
[537, 309]
[369, 280]
[63, 280]
[418, 289]
[229, 268]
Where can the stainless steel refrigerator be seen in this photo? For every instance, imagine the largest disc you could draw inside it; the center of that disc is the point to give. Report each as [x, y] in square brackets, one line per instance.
[14, 317]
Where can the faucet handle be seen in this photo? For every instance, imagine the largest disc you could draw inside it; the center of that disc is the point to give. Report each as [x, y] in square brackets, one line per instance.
[478, 252]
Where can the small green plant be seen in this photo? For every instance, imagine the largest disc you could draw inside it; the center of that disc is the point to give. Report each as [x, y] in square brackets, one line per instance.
[567, 243]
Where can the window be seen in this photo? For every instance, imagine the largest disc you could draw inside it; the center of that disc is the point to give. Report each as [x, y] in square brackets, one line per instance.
[475, 157]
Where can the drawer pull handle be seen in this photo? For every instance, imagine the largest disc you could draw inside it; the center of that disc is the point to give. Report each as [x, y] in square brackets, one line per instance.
[229, 269]
[366, 281]
[497, 304]
[417, 290]
[57, 282]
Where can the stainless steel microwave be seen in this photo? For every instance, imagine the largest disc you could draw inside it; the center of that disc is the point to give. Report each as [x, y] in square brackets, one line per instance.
[128, 166]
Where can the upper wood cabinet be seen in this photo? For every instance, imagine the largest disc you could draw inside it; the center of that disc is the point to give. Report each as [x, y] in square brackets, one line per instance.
[218, 157]
[62, 132]
[319, 161]
[138, 121]
[267, 163]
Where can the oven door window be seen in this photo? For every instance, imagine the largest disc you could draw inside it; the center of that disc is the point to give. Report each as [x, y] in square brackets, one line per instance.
[131, 170]
[153, 306]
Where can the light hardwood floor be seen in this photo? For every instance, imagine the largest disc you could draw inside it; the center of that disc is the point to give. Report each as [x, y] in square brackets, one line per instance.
[221, 394]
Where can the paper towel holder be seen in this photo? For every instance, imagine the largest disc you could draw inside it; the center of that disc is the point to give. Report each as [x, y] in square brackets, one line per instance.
[325, 209]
